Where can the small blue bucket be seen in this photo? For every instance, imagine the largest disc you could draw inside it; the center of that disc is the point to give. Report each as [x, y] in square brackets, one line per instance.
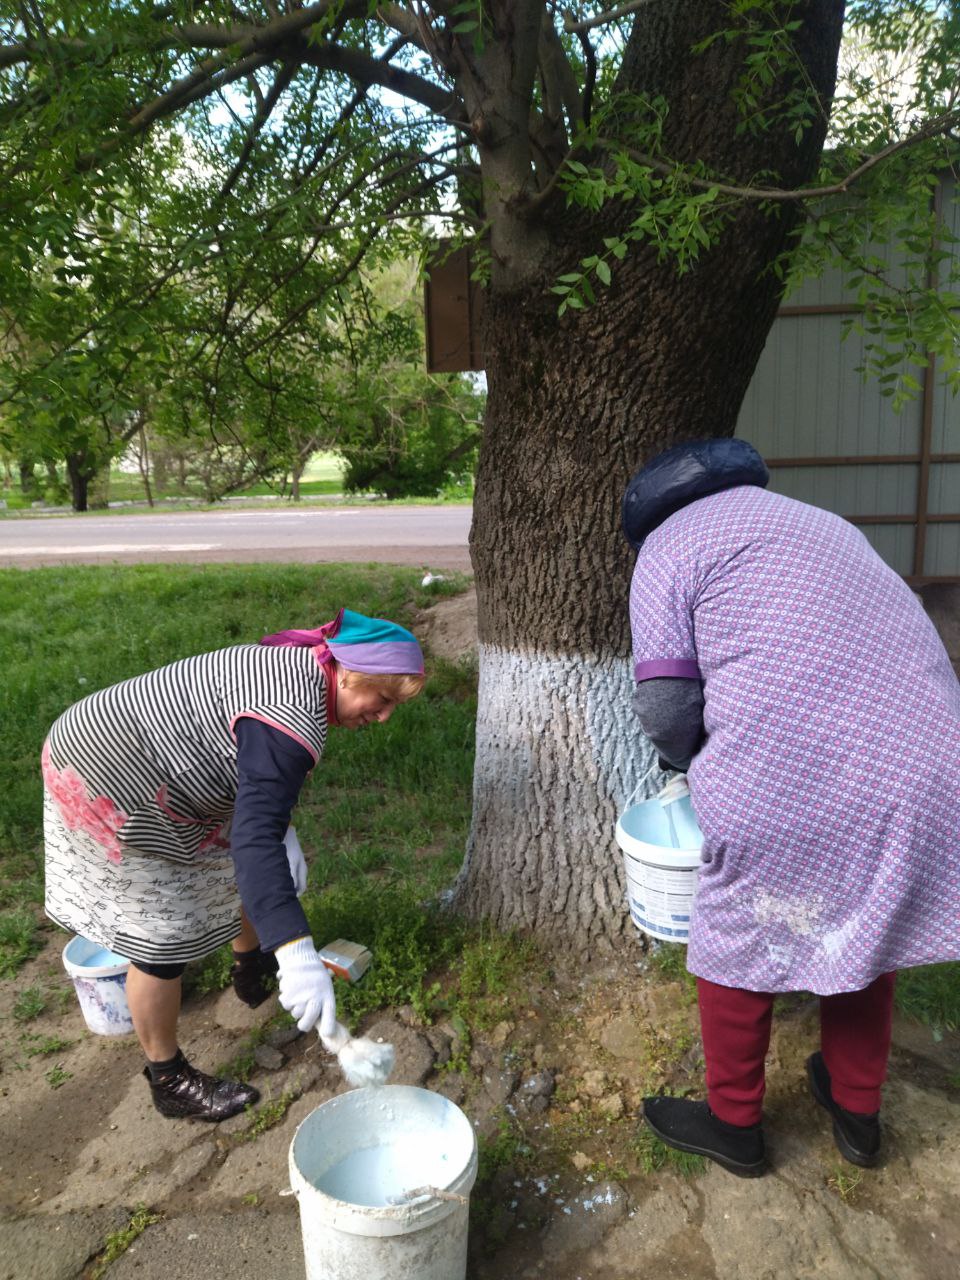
[661, 846]
[100, 979]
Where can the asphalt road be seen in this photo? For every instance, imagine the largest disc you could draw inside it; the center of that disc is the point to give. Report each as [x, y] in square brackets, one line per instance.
[434, 537]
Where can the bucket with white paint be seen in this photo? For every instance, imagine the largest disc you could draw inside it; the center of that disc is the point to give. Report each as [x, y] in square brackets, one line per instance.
[100, 979]
[383, 1179]
[661, 841]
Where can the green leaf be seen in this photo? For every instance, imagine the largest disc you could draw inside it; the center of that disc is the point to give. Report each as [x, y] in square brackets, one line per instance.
[603, 271]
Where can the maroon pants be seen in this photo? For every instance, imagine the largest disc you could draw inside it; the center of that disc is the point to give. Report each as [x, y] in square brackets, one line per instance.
[855, 1030]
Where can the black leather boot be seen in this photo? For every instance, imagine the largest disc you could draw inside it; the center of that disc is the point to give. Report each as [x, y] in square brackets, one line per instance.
[253, 976]
[189, 1094]
[692, 1126]
[856, 1134]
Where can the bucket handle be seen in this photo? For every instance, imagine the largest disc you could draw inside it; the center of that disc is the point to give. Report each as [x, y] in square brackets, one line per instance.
[633, 794]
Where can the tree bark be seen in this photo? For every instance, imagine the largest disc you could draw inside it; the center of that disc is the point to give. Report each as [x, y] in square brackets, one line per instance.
[80, 473]
[575, 405]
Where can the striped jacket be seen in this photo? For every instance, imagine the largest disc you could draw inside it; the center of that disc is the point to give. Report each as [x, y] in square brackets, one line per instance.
[151, 763]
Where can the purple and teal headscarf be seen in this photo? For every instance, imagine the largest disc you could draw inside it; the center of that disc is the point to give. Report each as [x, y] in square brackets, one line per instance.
[371, 645]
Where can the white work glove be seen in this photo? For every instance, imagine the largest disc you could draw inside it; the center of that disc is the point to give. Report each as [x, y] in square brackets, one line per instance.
[295, 860]
[306, 988]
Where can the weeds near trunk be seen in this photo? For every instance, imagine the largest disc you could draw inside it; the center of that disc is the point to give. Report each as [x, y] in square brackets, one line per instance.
[268, 1114]
[34, 1045]
[652, 1155]
[845, 1184]
[931, 994]
[118, 1242]
[57, 1076]
[29, 1004]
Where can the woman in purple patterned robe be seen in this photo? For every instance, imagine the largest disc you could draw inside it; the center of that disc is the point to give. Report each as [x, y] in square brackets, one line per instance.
[799, 682]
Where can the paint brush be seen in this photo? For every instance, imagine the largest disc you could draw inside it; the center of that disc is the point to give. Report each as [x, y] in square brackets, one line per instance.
[362, 1061]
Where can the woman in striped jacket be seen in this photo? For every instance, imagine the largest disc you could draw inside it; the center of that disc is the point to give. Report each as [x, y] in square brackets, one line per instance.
[166, 802]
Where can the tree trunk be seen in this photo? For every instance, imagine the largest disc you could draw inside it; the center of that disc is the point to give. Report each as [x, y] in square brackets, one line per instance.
[143, 461]
[575, 406]
[28, 480]
[80, 473]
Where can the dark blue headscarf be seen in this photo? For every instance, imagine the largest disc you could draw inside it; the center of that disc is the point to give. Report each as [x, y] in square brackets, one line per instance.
[680, 475]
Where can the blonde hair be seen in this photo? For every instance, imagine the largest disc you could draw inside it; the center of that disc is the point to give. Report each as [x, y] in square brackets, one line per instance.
[396, 688]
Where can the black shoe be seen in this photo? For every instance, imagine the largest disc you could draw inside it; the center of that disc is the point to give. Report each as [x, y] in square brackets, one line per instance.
[692, 1126]
[856, 1134]
[253, 977]
[189, 1094]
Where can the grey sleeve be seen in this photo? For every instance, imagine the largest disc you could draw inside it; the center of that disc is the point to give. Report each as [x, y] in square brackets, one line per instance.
[670, 710]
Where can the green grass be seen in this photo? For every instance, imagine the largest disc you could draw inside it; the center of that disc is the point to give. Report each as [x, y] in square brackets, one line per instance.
[669, 961]
[29, 1004]
[57, 1076]
[653, 1155]
[33, 1044]
[18, 939]
[323, 477]
[931, 994]
[269, 1114]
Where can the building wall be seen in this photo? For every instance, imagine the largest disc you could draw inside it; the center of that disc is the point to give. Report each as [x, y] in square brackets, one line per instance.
[831, 438]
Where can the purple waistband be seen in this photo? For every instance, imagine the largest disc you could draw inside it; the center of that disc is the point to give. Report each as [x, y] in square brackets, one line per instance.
[684, 667]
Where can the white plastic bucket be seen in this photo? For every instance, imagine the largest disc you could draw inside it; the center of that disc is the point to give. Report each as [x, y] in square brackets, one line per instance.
[100, 979]
[352, 1163]
[661, 857]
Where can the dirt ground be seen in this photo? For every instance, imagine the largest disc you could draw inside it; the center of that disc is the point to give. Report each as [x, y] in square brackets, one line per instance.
[449, 629]
[570, 1199]
[571, 1196]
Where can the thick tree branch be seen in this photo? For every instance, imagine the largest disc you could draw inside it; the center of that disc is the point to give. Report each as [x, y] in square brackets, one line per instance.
[558, 74]
[366, 71]
[192, 35]
[601, 19]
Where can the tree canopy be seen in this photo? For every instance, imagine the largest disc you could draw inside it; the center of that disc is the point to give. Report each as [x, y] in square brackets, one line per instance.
[190, 189]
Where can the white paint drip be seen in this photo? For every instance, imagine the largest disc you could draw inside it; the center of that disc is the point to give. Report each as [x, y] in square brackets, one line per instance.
[801, 916]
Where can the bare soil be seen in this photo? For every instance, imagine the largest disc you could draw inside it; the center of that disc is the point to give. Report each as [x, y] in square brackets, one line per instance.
[449, 629]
